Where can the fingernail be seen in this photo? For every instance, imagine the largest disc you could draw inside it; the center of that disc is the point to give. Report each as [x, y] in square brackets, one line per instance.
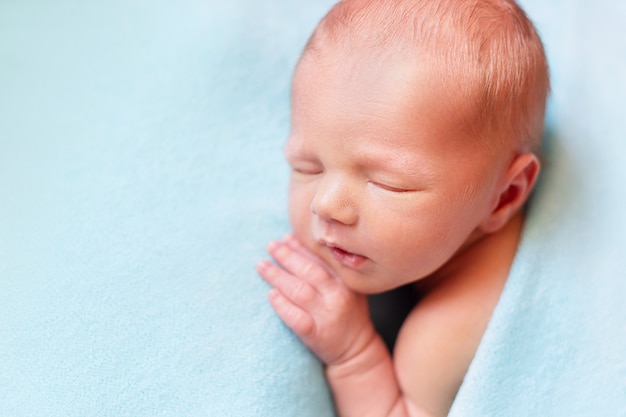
[273, 294]
[289, 237]
[272, 245]
[278, 249]
[263, 266]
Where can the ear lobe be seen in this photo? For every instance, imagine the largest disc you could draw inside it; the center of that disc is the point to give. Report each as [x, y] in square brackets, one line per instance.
[517, 185]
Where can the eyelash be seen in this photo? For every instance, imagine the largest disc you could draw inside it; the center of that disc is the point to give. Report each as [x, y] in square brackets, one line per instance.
[306, 171]
[383, 186]
[391, 188]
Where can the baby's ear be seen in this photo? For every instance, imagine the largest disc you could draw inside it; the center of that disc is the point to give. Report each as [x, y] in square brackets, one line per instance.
[515, 189]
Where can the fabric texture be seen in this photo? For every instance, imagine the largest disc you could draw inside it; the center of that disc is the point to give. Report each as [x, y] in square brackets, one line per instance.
[141, 176]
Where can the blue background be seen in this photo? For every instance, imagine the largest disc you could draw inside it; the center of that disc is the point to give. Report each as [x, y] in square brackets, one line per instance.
[141, 175]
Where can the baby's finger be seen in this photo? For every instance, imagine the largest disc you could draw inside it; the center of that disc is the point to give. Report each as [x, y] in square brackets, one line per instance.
[297, 290]
[299, 264]
[323, 279]
[295, 244]
[293, 316]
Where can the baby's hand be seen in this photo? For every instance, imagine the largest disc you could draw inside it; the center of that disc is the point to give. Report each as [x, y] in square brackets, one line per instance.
[332, 320]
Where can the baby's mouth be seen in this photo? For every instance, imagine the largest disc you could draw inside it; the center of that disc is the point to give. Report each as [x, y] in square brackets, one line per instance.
[349, 259]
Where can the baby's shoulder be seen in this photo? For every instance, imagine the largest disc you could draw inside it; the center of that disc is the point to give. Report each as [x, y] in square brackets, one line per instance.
[440, 336]
[434, 349]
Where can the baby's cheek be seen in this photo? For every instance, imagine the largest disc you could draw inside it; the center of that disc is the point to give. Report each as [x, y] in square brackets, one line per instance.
[299, 210]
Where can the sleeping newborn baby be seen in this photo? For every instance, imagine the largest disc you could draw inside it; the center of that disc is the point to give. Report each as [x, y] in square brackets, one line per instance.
[413, 147]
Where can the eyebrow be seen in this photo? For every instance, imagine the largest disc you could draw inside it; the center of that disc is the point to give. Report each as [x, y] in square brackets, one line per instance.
[394, 163]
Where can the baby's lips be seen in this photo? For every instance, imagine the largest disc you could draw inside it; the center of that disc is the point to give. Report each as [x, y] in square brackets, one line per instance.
[349, 259]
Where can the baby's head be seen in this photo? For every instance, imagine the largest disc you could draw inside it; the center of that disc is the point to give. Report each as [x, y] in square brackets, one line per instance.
[485, 54]
[415, 125]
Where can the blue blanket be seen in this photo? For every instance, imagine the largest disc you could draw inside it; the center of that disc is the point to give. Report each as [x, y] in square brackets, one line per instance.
[141, 175]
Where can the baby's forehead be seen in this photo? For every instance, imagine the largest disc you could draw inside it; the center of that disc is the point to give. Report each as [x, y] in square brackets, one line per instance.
[392, 93]
[405, 73]
[421, 99]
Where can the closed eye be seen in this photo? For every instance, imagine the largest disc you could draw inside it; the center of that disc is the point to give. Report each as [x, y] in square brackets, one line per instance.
[392, 188]
[306, 170]
[304, 166]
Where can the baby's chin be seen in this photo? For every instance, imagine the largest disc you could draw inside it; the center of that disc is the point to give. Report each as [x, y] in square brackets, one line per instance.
[365, 280]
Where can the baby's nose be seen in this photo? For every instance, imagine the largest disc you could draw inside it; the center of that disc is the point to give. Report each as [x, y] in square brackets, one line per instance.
[334, 200]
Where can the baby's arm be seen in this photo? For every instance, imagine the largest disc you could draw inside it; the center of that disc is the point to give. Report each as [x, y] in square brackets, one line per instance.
[334, 323]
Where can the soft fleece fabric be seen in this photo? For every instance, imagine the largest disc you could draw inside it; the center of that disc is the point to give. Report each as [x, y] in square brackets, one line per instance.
[141, 176]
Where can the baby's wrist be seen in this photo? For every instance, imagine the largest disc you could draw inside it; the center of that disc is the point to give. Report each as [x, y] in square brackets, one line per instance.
[366, 355]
